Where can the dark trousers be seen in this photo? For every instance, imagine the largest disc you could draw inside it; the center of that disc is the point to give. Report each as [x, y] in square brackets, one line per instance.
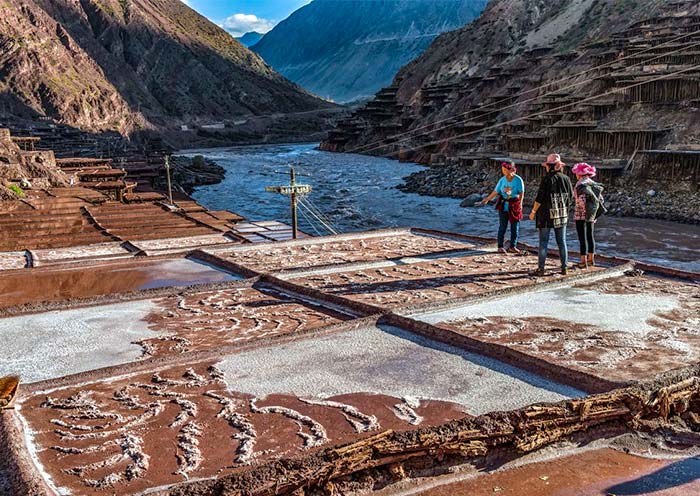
[586, 237]
[504, 218]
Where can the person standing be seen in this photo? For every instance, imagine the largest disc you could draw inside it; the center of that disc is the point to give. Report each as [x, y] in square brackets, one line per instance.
[551, 211]
[510, 191]
[588, 200]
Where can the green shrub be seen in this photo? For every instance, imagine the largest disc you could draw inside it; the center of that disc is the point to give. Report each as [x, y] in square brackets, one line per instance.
[17, 190]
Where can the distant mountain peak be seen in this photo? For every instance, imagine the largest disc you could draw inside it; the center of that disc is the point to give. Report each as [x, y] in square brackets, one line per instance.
[347, 49]
[250, 38]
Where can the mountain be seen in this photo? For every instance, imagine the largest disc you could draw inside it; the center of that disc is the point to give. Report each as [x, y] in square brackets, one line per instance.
[249, 39]
[347, 49]
[613, 83]
[131, 64]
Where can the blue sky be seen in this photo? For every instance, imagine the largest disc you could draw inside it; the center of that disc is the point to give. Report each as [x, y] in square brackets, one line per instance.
[241, 16]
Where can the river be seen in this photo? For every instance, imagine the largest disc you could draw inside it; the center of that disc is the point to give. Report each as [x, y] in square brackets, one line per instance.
[358, 192]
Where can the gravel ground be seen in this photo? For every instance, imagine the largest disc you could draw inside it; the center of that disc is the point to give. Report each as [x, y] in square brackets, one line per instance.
[388, 361]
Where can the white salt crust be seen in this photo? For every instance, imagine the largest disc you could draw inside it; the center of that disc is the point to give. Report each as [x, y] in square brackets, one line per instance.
[55, 344]
[387, 361]
[613, 312]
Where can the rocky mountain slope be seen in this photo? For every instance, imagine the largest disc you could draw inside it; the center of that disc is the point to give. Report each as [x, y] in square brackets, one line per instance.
[611, 82]
[348, 49]
[131, 64]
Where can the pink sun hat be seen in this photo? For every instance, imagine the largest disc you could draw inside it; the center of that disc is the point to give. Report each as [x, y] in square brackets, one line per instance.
[584, 169]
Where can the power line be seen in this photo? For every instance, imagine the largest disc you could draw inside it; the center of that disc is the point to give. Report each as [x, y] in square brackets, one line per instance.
[545, 112]
[308, 221]
[319, 213]
[330, 229]
[539, 87]
[411, 133]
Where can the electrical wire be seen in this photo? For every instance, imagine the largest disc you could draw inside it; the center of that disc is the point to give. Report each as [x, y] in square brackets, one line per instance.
[309, 222]
[324, 224]
[410, 134]
[545, 112]
[550, 83]
[319, 213]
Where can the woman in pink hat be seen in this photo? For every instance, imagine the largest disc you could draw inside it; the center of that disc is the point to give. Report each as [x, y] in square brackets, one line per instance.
[588, 201]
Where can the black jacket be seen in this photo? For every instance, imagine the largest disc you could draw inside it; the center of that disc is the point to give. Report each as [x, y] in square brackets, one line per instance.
[555, 197]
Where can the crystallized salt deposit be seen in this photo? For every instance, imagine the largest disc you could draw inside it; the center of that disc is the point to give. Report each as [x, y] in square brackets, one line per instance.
[628, 313]
[54, 344]
[387, 361]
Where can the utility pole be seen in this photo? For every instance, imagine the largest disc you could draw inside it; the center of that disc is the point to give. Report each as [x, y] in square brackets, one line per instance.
[167, 172]
[293, 190]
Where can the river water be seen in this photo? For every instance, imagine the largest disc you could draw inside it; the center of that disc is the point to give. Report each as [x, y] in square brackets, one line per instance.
[358, 192]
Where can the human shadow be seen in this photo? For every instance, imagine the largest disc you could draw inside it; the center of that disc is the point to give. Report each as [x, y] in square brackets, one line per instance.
[672, 476]
[350, 288]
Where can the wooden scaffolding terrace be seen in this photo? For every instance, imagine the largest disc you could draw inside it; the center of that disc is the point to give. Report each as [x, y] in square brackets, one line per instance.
[387, 94]
[71, 164]
[671, 90]
[682, 58]
[671, 165]
[101, 175]
[530, 166]
[26, 143]
[525, 142]
[572, 133]
[600, 109]
[611, 142]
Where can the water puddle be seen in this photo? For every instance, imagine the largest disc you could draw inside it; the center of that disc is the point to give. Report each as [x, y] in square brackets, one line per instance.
[42, 285]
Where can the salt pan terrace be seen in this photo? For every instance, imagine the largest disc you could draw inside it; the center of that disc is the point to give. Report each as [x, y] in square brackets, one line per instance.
[174, 372]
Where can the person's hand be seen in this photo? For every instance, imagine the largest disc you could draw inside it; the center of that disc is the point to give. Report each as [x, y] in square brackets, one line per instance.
[481, 203]
[532, 215]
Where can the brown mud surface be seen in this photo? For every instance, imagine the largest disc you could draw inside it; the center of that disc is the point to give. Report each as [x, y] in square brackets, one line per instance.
[204, 320]
[50, 285]
[151, 429]
[344, 251]
[429, 282]
[602, 472]
[611, 355]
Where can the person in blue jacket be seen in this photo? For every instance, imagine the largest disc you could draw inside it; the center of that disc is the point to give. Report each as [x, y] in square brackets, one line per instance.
[510, 191]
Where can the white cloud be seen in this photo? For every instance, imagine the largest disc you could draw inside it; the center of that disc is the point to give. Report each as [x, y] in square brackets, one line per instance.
[239, 24]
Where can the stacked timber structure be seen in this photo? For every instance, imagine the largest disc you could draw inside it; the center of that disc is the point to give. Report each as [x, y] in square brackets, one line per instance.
[629, 102]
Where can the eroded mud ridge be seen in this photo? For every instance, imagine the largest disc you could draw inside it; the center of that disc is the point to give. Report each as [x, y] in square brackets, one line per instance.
[335, 365]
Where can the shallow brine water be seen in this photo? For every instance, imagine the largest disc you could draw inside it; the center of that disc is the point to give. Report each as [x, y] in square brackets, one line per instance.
[358, 192]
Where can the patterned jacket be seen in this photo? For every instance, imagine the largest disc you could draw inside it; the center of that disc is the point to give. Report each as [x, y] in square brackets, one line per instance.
[555, 197]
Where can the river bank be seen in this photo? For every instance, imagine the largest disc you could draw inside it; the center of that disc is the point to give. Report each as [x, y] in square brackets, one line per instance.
[359, 192]
[633, 200]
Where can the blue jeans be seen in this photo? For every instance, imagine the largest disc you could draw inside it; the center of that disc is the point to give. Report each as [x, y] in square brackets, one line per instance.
[503, 217]
[560, 234]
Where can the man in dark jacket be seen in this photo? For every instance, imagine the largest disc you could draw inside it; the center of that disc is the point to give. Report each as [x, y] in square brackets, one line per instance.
[551, 210]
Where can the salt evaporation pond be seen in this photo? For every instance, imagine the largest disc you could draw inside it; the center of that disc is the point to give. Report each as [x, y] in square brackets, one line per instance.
[390, 361]
[55, 344]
